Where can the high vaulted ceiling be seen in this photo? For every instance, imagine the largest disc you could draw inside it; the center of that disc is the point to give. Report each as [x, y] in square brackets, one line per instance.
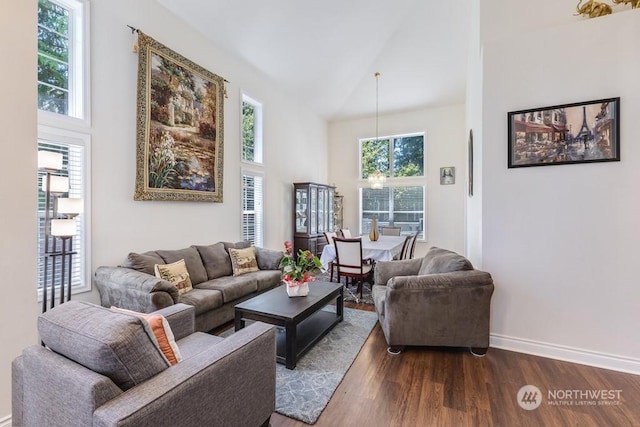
[325, 53]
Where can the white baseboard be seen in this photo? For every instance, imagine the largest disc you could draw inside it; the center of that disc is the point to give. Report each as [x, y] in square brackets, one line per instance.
[5, 421]
[568, 354]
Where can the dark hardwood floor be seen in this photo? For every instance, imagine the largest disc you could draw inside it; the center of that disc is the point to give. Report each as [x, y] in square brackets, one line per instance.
[450, 387]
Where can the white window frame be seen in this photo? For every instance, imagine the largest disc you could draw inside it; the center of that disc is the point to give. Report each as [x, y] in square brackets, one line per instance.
[257, 127]
[258, 207]
[75, 127]
[79, 82]
[391, 181]
[57, 135]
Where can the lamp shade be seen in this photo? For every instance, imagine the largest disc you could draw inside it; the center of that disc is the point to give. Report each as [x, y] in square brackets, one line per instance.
[70, 206]
[63, 227]
[57, 184]
[49, 160]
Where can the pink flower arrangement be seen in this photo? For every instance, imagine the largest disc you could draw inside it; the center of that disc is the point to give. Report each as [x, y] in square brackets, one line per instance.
[297, 271]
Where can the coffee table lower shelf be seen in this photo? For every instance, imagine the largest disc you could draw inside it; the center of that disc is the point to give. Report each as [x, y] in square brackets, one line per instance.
[308, 332]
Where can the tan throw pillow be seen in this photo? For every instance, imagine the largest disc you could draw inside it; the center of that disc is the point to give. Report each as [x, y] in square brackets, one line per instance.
[243, 260]
[162, 332]
[177, 274]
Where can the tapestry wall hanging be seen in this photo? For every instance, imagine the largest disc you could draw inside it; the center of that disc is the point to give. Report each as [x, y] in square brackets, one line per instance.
[179, 128]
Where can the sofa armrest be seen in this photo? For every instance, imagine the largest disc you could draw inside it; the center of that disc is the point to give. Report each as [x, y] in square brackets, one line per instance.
[232, 383]
[49, 380]
[442, 281]
[181, 318]
[268, 259]
[134, 290]
[385, 270]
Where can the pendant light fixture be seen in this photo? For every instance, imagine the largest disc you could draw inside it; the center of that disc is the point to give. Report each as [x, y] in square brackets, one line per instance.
[376, 179]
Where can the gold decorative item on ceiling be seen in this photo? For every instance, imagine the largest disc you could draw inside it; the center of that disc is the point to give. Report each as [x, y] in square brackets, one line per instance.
[593, 9]
[634, 3]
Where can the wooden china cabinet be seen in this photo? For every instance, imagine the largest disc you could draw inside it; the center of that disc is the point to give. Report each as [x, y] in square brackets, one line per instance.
[313, 214]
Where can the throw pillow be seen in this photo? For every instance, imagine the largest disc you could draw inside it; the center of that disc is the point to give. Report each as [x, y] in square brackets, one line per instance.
[162, 332]
[243, 260]
[177, 274]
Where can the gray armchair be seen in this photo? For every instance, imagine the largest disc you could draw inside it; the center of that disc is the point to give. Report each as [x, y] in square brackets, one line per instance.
[438, 300]
[103, 368]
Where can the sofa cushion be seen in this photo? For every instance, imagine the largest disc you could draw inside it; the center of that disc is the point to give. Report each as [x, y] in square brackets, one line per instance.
[268, 259]
[439, 260]
[216, 260]
[175, 273]
[232, 287]
[266, 279]
[162, 332]
[236, 245]
[243, 260]
[116, 345]
[202, 300]
[144, 262]
[191, 257]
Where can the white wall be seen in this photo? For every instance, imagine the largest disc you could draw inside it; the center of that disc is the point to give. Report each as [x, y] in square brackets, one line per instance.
[561, 241]
[445, 137]
[18, 312]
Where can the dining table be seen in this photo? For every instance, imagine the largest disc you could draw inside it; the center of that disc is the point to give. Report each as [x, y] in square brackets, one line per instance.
[383, 249]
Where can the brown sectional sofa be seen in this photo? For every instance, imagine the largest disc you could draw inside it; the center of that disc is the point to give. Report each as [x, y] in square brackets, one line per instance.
[215, 292]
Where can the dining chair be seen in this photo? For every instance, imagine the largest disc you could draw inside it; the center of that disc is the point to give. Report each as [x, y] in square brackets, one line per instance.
[390, 231]
[330, 235]
[401, 255]
[409, 247]
[350, 263]
[346, 234]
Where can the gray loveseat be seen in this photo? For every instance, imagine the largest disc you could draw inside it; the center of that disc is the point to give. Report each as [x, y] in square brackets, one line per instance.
[103, 368]
[438, 300]
[216, 291]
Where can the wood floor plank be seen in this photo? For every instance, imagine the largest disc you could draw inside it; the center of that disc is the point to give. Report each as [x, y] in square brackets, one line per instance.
[426, 386]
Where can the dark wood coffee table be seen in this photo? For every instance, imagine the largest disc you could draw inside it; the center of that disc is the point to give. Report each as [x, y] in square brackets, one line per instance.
[304, 319]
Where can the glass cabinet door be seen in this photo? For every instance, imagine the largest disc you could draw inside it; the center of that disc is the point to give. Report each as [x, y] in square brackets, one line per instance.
[322, 209]
[313, 210]
[331, 225]
[302, 200]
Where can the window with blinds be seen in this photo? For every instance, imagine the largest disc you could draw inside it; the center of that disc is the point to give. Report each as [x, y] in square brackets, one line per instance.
[252, 208]
[73, 156]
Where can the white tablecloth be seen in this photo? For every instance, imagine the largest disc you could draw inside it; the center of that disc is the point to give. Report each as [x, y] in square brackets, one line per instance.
[381, 250]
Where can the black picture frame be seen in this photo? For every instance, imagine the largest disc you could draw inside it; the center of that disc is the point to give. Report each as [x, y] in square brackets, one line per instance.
[582, 132]
[470, 155]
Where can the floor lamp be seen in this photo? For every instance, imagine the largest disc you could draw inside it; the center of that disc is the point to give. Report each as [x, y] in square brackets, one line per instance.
[59, 229]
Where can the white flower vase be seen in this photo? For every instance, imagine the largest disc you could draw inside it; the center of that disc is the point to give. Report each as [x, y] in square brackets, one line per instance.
[297, 289]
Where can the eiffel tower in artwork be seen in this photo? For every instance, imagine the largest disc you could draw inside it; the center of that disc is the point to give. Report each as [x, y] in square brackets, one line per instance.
[584, 134]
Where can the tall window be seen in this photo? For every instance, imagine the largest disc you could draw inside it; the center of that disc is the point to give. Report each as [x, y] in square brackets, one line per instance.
[62, 57]
[401, 203]
[63, 100]
[253, 172]
[252, 212]
[251, 130]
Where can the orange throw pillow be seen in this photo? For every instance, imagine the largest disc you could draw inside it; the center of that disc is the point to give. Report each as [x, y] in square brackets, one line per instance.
[162, 332]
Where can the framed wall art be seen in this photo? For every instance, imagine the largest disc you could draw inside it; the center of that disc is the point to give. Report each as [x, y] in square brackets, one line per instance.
[179, 129]
[583, 132]
[470, 158]
[447, 175]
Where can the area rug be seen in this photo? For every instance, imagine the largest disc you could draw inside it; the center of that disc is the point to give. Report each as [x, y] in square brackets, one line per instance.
[351, 293]
[303, 393]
